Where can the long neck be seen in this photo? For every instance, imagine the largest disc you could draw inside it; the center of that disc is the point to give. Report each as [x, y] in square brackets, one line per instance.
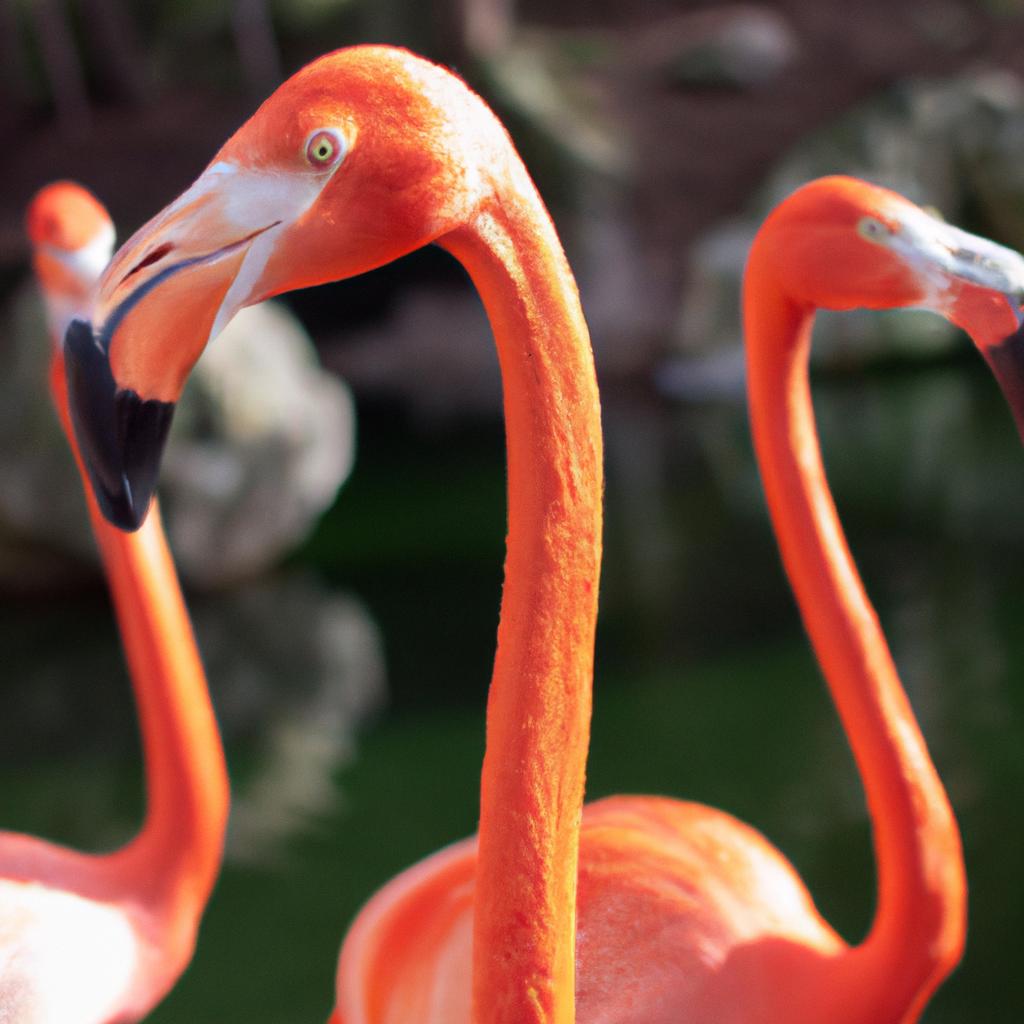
[175, 858]
[538, 715]
[918, 930]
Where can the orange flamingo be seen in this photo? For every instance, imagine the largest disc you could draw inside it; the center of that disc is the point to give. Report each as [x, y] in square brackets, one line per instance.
[683, 912]
[364, 155]
[98, 939]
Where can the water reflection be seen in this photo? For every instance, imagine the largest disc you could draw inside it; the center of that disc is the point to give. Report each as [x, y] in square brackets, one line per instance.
[294, 669]
[705, 686]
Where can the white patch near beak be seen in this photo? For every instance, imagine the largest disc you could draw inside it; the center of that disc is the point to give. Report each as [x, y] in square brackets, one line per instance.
[89, 261]
[940, 252]
[251, 199]
[240, 292]
[86, 264]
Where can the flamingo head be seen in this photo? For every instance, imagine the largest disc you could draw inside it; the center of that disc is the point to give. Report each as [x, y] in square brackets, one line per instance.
[851, 244]
[362, 156]
[72, 237]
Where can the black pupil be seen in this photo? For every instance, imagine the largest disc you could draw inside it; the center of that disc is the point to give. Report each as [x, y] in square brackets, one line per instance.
[323, 150]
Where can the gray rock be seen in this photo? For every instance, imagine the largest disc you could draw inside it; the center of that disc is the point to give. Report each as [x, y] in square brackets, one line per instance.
[263, 438]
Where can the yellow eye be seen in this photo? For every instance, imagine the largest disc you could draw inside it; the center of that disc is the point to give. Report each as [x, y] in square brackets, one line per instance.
[873, 229]
[324, 148]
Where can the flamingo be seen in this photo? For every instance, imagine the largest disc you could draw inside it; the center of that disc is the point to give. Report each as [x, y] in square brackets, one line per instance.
[683, 913]
[364, 155]
[99, 939]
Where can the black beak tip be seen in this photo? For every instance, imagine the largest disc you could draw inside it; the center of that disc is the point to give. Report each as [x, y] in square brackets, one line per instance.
[118, 507]
[121, 436]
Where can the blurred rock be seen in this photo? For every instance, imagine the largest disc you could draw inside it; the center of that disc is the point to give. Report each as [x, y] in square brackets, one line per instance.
[262, 440]
[990, 146]
[956, 144]
[918, 138]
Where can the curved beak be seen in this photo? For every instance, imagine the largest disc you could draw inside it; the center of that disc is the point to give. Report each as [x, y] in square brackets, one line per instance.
[979, 286]
[167, 291]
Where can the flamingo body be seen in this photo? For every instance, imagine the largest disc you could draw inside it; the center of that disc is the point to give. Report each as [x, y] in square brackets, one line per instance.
[681, 909]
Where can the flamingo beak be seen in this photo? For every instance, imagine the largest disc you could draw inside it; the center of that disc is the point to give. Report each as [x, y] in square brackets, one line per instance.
[979, 286]
[1006, 360]
[167, 291]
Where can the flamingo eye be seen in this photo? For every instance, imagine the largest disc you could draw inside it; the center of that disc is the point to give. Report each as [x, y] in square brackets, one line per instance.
[873, 229]
[324, 149]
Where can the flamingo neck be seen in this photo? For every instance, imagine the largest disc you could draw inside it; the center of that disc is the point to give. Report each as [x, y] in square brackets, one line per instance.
[174, 860]
[538, 714]
[918, 931]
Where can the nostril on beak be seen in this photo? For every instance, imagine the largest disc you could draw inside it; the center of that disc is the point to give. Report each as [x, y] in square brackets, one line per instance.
[149, 259]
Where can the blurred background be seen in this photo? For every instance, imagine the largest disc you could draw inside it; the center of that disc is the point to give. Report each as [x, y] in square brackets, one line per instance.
[335, 487]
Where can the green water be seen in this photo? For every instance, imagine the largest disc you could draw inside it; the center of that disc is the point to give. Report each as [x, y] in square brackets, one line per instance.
[705, 688]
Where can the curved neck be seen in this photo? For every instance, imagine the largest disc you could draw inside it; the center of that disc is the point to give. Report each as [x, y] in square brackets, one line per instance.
[538, 715]
[918, 930]
[175, 858]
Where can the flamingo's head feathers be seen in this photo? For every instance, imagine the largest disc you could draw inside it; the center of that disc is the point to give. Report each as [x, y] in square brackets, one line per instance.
[364, 155]
[851, 244]
[72, 237]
